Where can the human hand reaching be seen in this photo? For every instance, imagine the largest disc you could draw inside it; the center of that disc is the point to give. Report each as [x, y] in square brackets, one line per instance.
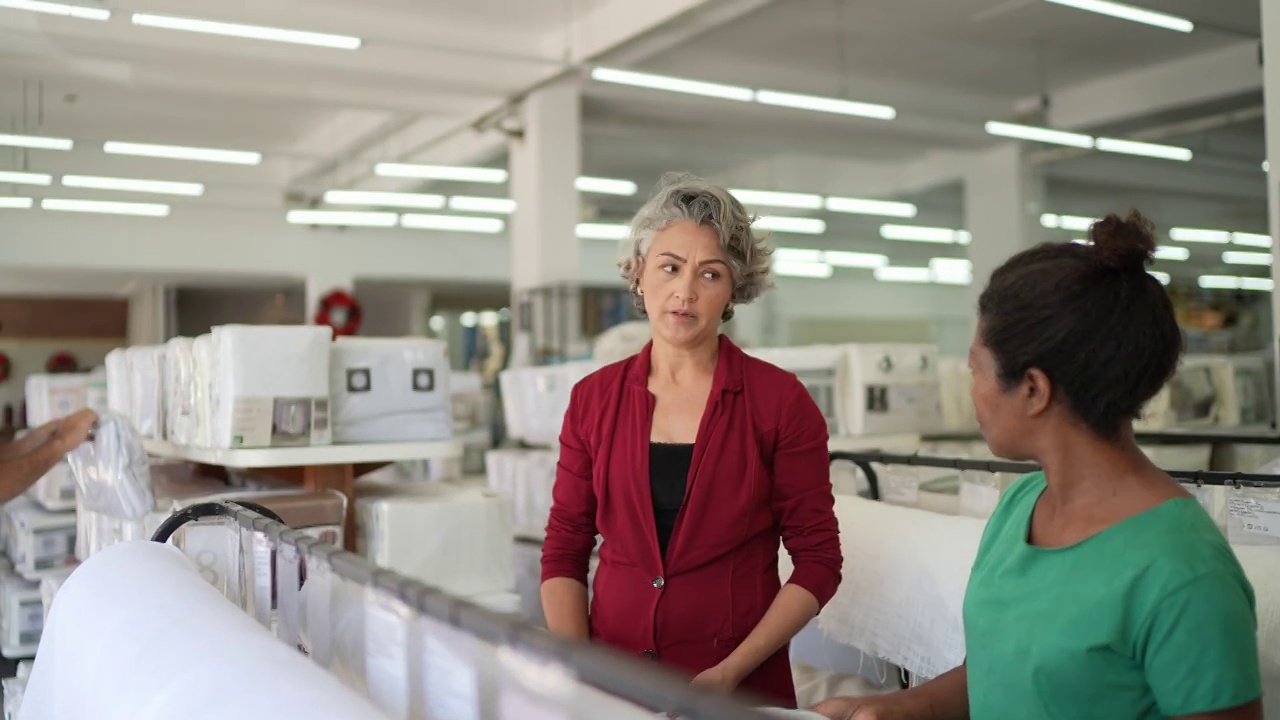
[716, 679]
[75, 428]
[847, 708]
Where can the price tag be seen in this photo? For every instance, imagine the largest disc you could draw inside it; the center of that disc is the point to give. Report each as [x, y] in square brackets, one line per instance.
[1260, 517]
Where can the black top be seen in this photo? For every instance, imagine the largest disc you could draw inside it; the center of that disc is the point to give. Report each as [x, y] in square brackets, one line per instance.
[668, 475]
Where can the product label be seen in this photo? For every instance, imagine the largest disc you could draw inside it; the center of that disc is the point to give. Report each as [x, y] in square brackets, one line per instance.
[1260, 517]
[900, 489]
[53, 548]
[251, 420]
[279, 422]
[30, 621]
[978, 500]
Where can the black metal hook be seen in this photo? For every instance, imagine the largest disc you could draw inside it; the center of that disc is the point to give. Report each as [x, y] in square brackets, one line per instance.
[203, 511]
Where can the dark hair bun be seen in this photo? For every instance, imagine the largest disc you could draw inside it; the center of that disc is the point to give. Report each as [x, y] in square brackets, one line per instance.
[1126, 244]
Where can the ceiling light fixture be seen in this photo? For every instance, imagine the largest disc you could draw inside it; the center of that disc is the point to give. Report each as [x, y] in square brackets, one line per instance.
[915, 233]
[105, 207]
[1172, 252]
[159, 187]
[456, 223]
[898, 273]
[36, 142]
[1143, 149]
[826, 104]
[602, 231]
[1237, 257]
[1038, 134]
[798, 268]
[345, 218]
[803, 255]
[859, 206]
[770, 198]
[1074, 223]
[456, 173]
[1200, 235]
[25, 178]
[1230, 282]
[55, 8]
[419, 201]
[846, 259]
[672, 84]
[16, 203]
[182, 152]
[252, 32]
[466, 203]
[1129, 12]
[785, 224]
[1251, 239]
[606, 186]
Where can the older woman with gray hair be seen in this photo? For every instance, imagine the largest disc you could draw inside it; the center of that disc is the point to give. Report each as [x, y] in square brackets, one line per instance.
[693, 462]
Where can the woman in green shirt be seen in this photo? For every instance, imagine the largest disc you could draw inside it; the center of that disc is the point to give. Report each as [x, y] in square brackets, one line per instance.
[1101, 588]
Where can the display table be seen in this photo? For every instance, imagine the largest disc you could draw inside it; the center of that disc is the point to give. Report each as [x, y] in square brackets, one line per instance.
[314, 468]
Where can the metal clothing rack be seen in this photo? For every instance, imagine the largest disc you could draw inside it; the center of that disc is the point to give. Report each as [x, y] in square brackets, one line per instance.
[614, 673]
[864, 461]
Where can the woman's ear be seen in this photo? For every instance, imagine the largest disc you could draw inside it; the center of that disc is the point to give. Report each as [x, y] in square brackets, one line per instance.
[1037, 392]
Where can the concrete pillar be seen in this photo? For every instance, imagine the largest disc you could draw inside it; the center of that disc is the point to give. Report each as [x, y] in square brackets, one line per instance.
[545, 251]
[1271, 93]
[148, 313]
[1003, 201]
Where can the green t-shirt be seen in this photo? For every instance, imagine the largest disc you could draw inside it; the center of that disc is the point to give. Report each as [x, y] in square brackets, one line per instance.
[1151, 618]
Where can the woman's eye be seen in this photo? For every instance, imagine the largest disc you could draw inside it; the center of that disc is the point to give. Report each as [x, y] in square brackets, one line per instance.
[711, 275]
[668, 268]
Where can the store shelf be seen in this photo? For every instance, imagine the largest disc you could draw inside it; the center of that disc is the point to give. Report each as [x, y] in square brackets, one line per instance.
[280, 457]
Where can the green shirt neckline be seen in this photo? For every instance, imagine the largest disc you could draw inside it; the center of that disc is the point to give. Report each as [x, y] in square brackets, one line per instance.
[1145, 516]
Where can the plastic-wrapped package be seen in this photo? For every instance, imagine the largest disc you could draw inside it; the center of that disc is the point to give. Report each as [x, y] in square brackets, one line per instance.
[202, 382]
[146, 387]
[180, 390]
[50, 397]
[390, 390]
[55, 490]
[112, 472]
[119, 393]
[39, 542]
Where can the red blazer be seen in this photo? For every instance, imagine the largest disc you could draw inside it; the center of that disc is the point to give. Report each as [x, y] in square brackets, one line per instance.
[760, 474]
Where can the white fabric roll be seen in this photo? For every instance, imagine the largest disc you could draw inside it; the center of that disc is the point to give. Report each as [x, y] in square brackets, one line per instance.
[136, 634]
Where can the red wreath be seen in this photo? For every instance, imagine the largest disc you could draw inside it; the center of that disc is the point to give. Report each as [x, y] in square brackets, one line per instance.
[340, 311]
[61, 362]
[6, 367]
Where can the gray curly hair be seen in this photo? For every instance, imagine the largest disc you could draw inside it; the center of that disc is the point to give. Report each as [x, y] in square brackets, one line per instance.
[681, 196]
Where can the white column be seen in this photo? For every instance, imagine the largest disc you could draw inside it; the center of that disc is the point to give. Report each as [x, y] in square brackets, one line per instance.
[320, 284]
[148, 314]
[545, 252]
[1003, 200]
[1271, 94]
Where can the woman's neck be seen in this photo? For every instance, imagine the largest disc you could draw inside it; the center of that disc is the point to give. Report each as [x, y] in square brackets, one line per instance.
[679, 365]
[1082, 468]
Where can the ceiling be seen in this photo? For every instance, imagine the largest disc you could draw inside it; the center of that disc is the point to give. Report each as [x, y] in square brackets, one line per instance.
[428, 70]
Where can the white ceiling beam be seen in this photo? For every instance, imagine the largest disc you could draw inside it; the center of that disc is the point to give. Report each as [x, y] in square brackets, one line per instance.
[607, 27]
[1134, 94]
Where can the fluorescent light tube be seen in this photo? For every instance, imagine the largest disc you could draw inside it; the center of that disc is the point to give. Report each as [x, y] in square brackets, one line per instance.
[915, 233]
[180, 152]
[672, 84]
[159, 187]
[36, 142]
[1237, 257]
[893, 273]
[346, 218]
[769, 198]
[1038, 134]
[25, 178]
[1251, 239]
[1133, 147]
[1163, 277]
[951, 278]
[465, 203]
[457, 223]
[800, 225]
[420, 201]
[602, 231]
[55, 8]
[826, 104]
[846, 259]
[455, 173]
[1129, 12]
[1200, 235]
[804, 255]
[858, 206]
[105, 207]
[1172, 252]
[606, 186]
[951, 266]
[1230, 282]
[16, 203]
[252, 32]
[1075, 223]
[797, 268]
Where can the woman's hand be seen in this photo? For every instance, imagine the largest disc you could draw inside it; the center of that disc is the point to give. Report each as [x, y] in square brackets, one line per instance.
[75, 428]
[717, 679]
[847, 708]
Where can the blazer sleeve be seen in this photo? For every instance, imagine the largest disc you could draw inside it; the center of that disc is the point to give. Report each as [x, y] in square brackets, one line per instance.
[803, 500]
[571, 528]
